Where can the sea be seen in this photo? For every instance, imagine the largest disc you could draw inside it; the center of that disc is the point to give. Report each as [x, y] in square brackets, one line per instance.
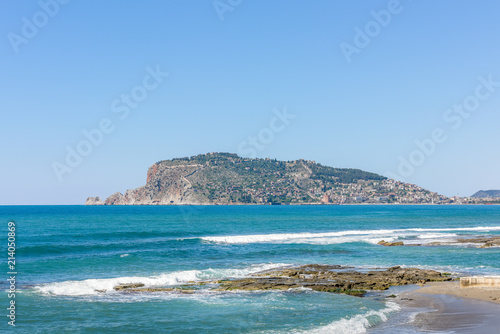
[69, 258]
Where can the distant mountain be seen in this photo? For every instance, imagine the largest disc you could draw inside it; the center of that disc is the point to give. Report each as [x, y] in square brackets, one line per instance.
[226, 178]
[487, 194]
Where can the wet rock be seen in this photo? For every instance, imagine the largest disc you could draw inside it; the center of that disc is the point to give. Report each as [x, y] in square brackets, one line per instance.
[182, 290]
[390, 244]
[325, 278]
[482, 242]
[332, 279]
[394, 268]
[126, 286]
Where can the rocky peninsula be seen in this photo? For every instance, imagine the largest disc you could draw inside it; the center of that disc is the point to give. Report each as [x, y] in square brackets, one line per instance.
[226, 178]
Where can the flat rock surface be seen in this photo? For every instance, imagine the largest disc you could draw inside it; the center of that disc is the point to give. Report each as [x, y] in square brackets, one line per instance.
[479, 242]
[325, 278]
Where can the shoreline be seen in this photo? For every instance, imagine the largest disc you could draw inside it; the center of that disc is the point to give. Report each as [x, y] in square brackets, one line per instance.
[445, 306]
[486, 294]
[296, 204]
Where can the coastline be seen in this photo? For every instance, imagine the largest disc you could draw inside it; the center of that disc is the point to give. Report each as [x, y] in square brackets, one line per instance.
[291, 204]
[446, 307]
[486, 294]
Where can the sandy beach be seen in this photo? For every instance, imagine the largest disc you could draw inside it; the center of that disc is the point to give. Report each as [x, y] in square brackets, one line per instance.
[454, 289]
[446, 307]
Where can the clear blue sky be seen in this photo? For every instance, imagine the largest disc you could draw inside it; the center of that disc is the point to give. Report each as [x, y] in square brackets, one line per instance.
[65, 70]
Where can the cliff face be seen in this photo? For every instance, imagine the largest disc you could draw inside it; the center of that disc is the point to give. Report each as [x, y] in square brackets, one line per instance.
[164, 185]
[224, 178]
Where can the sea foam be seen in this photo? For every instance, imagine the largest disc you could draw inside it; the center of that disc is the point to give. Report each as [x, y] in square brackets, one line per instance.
[359, 323]
[99, 286]
[367, 236]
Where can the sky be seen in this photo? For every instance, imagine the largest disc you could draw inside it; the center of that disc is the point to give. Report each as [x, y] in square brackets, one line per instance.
[95, 92]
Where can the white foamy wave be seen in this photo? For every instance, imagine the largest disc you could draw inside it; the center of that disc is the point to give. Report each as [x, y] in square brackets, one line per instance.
[296, 237]
[367, 236]
[478, 228]
[377, 240]
[437, 235]
[97, 286]
[357, 324]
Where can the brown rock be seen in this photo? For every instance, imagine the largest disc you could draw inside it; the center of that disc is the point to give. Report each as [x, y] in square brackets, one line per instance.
[126, 286]
[390, 244]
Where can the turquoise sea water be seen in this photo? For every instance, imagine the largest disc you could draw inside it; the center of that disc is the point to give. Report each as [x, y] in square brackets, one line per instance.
[65, 253]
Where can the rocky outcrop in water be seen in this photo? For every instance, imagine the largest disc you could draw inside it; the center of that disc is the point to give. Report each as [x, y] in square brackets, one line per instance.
[479, 242]
[333, 279]
[390, 244]
[94, 201]
[326, 278]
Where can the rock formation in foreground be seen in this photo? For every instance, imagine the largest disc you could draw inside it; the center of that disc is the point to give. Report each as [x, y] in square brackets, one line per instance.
[225, 178]
[325, 278]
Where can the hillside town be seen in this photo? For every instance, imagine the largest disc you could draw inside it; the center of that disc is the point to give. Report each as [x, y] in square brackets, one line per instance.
[390, 191]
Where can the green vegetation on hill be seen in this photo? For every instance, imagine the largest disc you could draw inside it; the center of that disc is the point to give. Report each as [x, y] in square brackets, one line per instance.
[342, 175]
[228, 178]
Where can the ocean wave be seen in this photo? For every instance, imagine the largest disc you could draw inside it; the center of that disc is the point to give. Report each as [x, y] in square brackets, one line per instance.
[98, 286]
[359, 323]
[367, 236]
[437, 235]
[296, 237]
